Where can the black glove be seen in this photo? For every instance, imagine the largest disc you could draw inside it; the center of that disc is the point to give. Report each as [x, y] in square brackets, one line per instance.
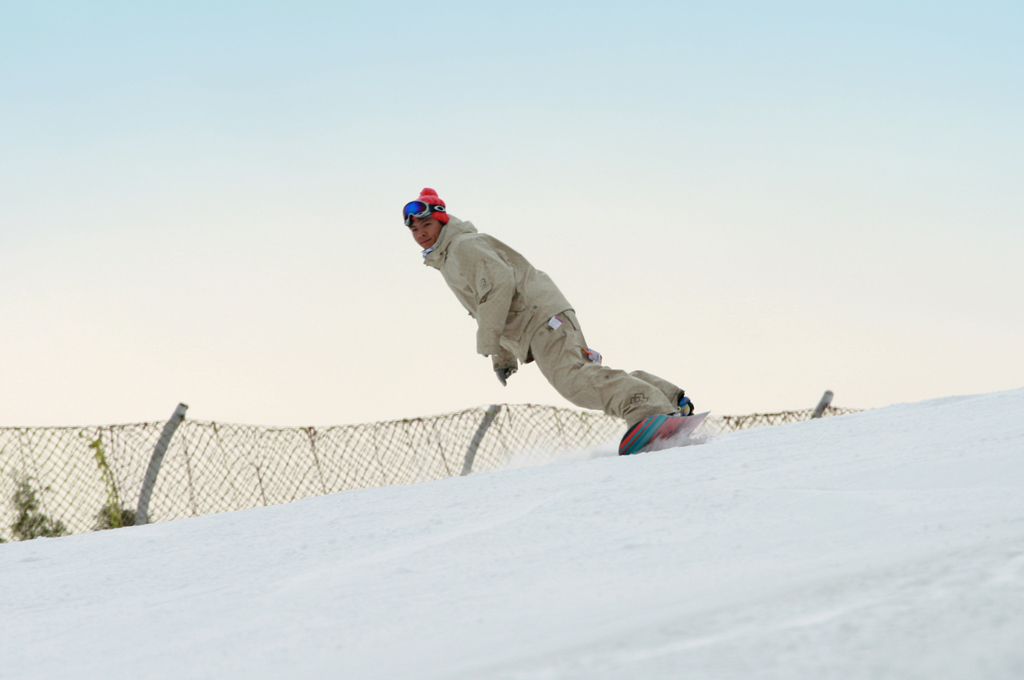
[505, 364]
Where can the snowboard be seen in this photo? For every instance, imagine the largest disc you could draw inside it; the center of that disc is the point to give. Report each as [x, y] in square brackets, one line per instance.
[669, 432]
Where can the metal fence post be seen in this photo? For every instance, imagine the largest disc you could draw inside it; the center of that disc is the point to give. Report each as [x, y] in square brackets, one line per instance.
[489, 414]
[142, 513]
[826, 399]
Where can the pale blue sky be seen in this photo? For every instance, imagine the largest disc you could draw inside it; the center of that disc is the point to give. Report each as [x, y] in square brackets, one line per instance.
[200, 203]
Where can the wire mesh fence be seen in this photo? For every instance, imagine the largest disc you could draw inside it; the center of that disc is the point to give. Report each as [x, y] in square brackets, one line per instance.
[62, 480]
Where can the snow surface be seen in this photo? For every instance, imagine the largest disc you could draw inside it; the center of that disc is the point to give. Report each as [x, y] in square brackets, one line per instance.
[886, 544]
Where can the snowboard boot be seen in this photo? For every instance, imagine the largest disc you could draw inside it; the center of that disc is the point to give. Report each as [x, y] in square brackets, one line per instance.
[685, 405]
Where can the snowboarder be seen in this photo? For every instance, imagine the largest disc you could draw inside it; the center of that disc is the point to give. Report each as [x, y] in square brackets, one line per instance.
[523, 317]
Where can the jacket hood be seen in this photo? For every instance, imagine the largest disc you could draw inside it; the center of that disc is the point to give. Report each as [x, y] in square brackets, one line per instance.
[455, 227]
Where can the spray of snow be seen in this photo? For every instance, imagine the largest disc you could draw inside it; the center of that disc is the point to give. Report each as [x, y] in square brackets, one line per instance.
[534, 457]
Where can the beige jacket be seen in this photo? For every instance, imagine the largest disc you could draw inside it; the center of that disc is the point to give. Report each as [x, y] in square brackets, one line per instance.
[509, 299]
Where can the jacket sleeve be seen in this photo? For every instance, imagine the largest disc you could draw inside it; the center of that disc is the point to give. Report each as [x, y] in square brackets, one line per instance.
[494, 284]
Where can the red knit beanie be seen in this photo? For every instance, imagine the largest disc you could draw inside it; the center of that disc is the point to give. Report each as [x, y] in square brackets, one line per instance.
[430, 197]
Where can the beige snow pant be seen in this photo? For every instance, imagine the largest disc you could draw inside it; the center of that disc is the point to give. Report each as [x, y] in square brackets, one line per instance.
[560, 355]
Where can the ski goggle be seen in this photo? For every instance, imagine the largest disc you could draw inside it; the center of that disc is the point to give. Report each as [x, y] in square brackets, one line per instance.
[418, 209]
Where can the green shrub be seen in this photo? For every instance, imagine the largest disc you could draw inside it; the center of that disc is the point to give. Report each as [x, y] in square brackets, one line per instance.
[31, 523]
[112, 515]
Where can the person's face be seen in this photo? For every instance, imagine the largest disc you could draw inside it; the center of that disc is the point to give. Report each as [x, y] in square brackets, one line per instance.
[426, 231]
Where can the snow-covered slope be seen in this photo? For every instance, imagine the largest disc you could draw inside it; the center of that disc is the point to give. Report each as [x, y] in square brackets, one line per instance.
[884, 544]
